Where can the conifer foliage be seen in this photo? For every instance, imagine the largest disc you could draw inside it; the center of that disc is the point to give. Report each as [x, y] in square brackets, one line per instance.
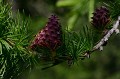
[14, 56]
[52, 44]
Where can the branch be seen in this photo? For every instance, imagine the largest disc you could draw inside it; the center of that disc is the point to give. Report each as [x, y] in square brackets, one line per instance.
[100, 44]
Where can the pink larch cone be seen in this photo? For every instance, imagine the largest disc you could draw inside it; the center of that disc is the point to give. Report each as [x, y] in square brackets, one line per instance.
[50, 36]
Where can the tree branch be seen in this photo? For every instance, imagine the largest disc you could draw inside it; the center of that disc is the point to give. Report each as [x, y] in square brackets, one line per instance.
[99, 45]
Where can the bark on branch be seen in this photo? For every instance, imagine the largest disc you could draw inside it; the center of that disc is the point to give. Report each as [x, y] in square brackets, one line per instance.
[99, 45]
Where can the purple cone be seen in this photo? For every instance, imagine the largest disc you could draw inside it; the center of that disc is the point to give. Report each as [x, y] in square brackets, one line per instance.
[49, 36]
[100, 18]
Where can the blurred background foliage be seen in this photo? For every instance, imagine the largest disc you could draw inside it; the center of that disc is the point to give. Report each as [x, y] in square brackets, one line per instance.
[73, 15]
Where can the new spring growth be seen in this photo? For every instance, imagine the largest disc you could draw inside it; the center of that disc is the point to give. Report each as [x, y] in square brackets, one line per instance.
[100, 18]
[49, 36]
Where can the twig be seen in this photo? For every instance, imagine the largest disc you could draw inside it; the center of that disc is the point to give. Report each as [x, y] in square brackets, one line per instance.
[105, 38]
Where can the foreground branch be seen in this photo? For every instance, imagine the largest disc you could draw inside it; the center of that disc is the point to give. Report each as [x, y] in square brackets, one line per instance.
[98, 46]
[105, 38]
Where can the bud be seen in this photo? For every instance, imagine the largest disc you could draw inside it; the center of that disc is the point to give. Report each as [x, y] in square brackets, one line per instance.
[49, 36]
[100, 18]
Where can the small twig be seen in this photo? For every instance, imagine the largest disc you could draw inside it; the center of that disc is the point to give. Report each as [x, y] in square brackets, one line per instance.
[99, 45]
